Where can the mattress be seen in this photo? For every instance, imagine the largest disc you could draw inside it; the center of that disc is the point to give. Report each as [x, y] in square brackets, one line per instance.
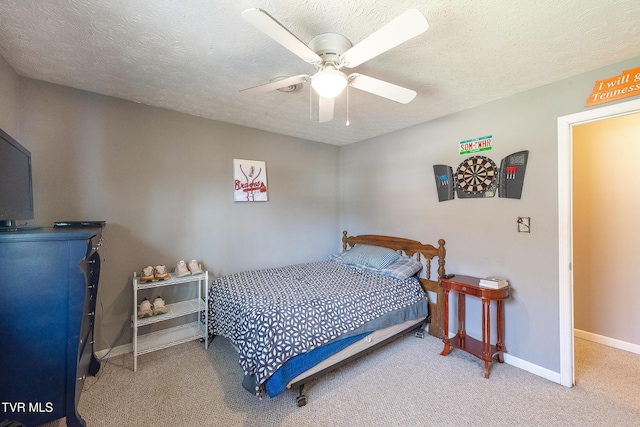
[273, 315]
[370, 332]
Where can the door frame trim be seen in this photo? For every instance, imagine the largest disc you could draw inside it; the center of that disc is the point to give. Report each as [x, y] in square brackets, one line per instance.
[565, 224]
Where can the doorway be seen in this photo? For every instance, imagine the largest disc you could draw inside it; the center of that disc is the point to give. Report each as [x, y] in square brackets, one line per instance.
[606, 231]
[565, 226]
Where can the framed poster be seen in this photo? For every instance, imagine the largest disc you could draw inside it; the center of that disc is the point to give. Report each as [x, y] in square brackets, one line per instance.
[249, 181]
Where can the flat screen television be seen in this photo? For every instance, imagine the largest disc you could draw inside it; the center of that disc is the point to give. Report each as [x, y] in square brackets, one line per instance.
[16, 188]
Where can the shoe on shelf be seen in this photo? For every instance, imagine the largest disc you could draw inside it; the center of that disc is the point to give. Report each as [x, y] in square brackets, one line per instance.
[194, 267]
[181, 269]
[144, 310]
[159, 307]
[147, 275]
[160, 272]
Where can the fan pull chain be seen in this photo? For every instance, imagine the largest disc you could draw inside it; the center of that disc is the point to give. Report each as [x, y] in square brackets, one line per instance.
[310, 103]
[347, 124]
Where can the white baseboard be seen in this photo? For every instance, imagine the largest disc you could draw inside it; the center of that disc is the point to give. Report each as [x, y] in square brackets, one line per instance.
[527, 366]
[530, 367]
[611, 342]
[117, 351]
[555, 376]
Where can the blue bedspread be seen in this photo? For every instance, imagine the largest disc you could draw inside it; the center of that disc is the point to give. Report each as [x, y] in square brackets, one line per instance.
[273, 315]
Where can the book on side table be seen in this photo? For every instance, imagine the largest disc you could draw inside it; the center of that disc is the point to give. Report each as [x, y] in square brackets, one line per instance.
[493, 282]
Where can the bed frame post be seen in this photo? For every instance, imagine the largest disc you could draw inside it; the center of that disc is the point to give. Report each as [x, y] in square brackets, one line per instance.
[344, 240]
[442, 252]
[437, 324]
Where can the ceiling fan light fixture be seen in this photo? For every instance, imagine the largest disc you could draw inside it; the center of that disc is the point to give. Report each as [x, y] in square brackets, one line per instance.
[329, 82]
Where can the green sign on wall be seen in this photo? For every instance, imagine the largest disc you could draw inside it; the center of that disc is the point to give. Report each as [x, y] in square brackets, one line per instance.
[484, 143]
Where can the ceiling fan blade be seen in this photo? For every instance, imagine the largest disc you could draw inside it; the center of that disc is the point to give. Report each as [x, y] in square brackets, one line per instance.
[268, 25]
[382, 88]
[404, 27]
[278, 84]
[325, 109]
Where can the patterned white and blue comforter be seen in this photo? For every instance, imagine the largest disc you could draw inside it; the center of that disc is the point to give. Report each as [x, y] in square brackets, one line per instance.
[274, 314]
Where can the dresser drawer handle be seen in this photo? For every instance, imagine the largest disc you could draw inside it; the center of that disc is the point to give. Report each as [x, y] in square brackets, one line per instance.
[464, 288]
[93, 313]
[82, 378]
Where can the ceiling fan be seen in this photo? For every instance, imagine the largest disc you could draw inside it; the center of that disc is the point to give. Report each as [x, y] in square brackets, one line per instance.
[330, 52]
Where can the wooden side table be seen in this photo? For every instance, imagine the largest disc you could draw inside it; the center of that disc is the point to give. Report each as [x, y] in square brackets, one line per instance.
[467, 285]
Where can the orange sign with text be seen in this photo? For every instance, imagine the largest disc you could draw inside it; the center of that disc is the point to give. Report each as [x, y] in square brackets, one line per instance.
[617, 87]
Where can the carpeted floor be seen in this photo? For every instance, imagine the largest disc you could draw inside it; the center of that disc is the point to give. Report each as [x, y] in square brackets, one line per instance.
[405, 383]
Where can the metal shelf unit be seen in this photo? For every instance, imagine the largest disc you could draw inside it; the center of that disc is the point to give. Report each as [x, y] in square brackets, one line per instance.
[148, 342]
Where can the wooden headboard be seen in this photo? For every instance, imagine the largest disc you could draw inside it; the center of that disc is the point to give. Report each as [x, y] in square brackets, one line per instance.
[421, 252]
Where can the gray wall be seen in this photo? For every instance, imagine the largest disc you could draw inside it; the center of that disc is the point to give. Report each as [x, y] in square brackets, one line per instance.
[163, 182]
[388, 187]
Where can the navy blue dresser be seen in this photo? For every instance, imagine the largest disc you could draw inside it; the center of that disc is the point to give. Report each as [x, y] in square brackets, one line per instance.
[48, 289]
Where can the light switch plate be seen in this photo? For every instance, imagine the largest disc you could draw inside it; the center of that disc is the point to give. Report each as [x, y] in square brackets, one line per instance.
[524, 224]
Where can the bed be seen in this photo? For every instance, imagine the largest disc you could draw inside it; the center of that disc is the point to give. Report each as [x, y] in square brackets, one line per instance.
[292, 324]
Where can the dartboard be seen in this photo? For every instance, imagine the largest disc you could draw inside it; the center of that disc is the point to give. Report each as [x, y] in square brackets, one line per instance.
[476, 175]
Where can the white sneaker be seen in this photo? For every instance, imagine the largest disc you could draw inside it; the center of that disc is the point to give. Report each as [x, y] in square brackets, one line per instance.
[147, 275]
[181, 269]
[159, 307]
[194, 267]
[145, 309]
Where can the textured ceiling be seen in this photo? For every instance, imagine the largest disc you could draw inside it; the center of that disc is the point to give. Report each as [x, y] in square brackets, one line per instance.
[194, 56]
